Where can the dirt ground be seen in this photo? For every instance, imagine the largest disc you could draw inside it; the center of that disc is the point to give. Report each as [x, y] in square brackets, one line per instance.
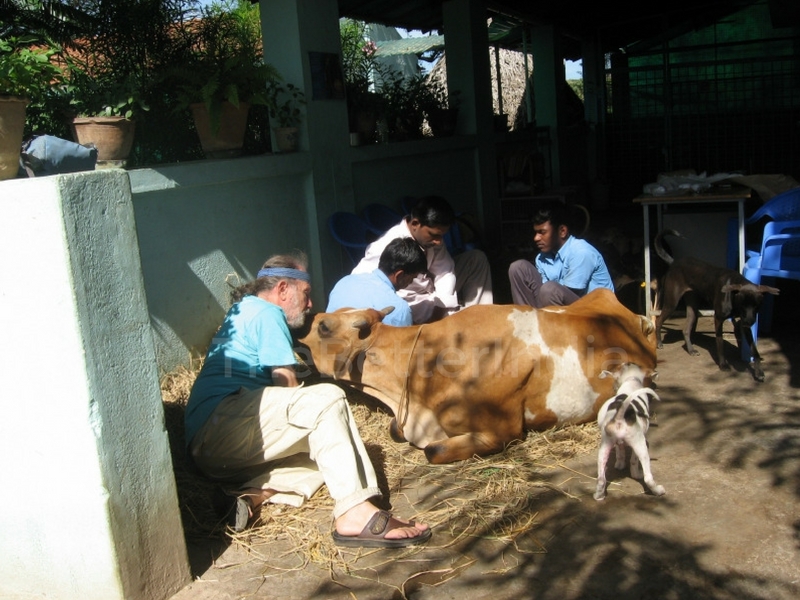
[726, 448]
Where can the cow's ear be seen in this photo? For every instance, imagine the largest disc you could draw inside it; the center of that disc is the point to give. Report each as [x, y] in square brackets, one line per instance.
[386, 311]
[364, 327]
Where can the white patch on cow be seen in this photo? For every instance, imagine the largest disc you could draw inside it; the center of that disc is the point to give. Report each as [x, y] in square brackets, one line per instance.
[529, 416]
[570, 396]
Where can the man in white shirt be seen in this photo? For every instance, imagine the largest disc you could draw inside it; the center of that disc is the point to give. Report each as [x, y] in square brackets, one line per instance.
[449, 284]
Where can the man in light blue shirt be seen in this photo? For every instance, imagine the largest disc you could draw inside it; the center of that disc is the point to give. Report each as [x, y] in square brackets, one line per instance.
[566, 267]
[400, 262]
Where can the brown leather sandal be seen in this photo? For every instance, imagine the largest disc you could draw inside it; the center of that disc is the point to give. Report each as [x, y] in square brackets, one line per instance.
[373, 534]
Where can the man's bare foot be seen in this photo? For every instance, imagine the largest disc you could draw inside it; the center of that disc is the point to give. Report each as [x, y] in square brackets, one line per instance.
[352, 523]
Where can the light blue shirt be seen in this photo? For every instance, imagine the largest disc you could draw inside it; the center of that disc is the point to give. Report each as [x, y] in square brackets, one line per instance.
[253, 338]
[577, 265]
[370, 290]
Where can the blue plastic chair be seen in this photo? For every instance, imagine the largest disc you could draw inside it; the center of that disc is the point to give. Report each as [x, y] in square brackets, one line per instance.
[779, 258]
[783, 207]
[353, 233]
[380, 217]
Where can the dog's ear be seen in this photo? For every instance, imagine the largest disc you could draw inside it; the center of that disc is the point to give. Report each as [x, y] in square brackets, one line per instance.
[731, 287]
[727, 302]
[765, 289]
[604, 374]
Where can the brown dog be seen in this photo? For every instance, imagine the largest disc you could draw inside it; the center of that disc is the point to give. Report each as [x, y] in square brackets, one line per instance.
[729, 293]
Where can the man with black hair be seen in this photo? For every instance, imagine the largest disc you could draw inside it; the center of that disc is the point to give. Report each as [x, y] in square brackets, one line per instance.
[448, 283]
[565, 269]
[400, 262]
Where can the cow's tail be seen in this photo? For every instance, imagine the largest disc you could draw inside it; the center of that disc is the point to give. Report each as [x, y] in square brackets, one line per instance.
[660, 247]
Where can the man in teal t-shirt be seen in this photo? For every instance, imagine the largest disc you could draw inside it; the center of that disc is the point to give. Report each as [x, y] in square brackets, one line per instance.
[251, 426]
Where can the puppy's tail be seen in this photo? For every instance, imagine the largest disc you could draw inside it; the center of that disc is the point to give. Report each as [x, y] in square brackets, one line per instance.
[629, 407]
[659, 246]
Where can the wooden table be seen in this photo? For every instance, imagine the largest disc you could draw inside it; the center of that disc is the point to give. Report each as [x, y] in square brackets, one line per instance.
[715, 195]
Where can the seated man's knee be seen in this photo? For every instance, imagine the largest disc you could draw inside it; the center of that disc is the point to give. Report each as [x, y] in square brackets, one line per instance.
[552, 294]
[517, 268]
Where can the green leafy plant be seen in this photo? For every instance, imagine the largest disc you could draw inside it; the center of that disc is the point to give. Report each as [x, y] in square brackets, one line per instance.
[25, 71]
[223, 62]
[284, 101]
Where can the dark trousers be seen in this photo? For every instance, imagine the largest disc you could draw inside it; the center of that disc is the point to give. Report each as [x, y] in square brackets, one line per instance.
[527, 287]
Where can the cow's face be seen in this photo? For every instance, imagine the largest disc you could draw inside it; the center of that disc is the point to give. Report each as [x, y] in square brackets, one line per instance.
[336, 340]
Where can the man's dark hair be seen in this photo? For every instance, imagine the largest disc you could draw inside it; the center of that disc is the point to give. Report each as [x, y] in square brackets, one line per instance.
[433, 211]
[403, 254]
[554, 212]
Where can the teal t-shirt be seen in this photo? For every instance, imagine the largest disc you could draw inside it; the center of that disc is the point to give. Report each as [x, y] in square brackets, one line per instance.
[253, 338]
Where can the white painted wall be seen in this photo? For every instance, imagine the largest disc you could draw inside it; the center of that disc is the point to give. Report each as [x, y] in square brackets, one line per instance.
[89, 507]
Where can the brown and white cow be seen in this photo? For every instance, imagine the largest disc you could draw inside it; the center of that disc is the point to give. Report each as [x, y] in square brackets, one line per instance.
[474, 381]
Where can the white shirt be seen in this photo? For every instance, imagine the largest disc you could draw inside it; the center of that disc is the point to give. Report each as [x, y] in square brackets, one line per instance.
[423, 294]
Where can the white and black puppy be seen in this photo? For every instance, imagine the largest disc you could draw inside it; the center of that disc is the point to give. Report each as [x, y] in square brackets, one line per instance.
[623, 421]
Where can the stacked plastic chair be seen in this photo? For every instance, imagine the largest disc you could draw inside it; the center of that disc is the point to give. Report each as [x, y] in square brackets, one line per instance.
[353, 233]
[778, 255]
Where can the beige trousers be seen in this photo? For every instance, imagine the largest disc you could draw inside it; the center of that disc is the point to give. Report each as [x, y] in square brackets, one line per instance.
[290, 440]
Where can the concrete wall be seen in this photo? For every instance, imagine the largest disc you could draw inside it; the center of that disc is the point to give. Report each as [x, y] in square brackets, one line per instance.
[89, 506]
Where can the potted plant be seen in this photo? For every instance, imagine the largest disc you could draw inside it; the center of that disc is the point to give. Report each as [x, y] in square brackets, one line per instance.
[404, 111]
[220, 76]
[440, 108]
[284, 101]
[25, 73]
[105, 110]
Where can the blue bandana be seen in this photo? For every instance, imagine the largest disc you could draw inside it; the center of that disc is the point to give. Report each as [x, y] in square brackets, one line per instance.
[285, 272]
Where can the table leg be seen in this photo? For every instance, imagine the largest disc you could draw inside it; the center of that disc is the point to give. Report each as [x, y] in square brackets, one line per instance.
[648, 302]
[741, 235]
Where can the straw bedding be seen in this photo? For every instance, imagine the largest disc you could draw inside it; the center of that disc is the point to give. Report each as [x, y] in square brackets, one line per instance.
[491, 497]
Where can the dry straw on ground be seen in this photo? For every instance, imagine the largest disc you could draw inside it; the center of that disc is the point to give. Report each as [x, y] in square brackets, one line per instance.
[491, 497]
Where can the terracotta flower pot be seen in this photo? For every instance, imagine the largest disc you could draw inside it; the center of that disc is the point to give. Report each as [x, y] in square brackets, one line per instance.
[228, 140]
[112, 136]
[12, 124]
[287, 138]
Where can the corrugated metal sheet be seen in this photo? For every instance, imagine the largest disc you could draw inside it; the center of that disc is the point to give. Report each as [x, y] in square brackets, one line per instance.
[416, 45]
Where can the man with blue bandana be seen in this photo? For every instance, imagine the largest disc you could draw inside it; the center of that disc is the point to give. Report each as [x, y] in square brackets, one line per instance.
[251, 426]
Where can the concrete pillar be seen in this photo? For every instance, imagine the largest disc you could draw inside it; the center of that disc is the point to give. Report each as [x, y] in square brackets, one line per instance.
[469, 72]
[89, 507]
[295, 33]
[548, 76]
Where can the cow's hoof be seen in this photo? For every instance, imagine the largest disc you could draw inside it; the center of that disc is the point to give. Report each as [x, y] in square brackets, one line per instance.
[396, 433]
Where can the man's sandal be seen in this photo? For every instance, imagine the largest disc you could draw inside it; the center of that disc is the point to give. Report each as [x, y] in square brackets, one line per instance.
[373, 534]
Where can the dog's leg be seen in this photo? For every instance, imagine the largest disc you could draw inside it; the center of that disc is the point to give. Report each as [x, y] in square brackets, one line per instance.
[636, 472]
[620, 450]
[691, 322]
[669, 306]
[602, 459]
[755, 357]
[718, 323]
[639, 446]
